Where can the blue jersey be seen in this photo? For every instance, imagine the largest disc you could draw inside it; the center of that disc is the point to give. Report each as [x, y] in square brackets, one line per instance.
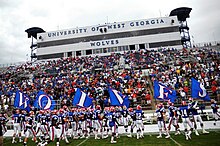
[184, 110]
[83, 115]
[193, 108]
[159, 113]
[133, 116]
[214, 107]
[54, 120]
[106, 114]
[48, 117]
[171, 110]
[17, 118]
[139, 114]
[37, 118]
[29, 122]
[72, 116]
[43, 120]
[62, 118]
[111, 118]
[118, 113]
[23, 117]
[96, 114]
[3, 120]
[90, 115]
[125, 113]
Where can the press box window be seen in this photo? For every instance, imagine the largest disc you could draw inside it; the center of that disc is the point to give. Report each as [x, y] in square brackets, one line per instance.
[141, 46]
[78, 53]
[69, 54]
[105, 50]
[132, 47]
[88, 52]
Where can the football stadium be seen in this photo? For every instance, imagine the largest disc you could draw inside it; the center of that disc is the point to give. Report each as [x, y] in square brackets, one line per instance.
[138, 82]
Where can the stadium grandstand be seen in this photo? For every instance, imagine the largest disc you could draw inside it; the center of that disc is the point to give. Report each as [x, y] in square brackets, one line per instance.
[132, 73]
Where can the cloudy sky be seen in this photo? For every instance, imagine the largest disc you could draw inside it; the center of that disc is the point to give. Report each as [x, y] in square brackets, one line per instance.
[18, 15]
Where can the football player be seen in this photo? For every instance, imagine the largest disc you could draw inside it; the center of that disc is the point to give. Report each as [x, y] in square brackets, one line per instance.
[23, 115]
[96, 121]
[106, 126]
[37, 119]
[139, 121]
[54, 128]
[3, 120]
[133, 121]
[44, 127]
[125, 118]
[17, 125]
[215, 112]
[62, 124]
[73, 118]
[184, 110]
[173, 118]
[83, 115]
[160, 111]
[112, 123]
[29, 122]
[196, 117]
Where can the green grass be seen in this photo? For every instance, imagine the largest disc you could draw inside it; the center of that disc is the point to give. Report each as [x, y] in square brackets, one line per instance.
[211, 139]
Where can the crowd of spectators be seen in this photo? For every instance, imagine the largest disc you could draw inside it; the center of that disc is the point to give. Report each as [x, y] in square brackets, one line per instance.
[131, 73]
[202, 64]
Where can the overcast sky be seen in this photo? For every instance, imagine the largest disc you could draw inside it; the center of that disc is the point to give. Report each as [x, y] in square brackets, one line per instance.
[18, 15]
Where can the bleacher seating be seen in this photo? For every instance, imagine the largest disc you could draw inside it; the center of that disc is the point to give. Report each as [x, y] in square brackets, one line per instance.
[124, 72]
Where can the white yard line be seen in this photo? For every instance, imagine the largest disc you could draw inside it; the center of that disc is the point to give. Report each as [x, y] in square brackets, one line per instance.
[82, 142]
[175, 141]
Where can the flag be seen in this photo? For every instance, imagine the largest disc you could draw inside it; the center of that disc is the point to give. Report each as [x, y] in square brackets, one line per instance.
[162, 92]
[198, 90]
[43, 101]
[117, 99]
[126, 101]
[22, 101]
[81, 99]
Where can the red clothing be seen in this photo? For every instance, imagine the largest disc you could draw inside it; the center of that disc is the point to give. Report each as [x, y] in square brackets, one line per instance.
[214, 88]
[148, 97]
[186, 89]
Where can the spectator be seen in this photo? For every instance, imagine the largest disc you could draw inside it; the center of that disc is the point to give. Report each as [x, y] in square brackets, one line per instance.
[214, 91]
[148, 98]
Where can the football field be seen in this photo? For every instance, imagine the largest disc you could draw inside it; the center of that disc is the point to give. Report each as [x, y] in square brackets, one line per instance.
[211, 139]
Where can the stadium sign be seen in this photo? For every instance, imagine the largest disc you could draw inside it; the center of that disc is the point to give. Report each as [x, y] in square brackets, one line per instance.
[104, 43]
[112, 26]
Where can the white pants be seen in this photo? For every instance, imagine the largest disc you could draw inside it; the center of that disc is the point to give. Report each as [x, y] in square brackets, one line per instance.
[125, 121]
[54, 132]
[216, 116]
[198, 118]
[30, 131]
[97, 124]
[186, 121]
[139, 124]
[17, 128]
[161, 124]
[44, 129]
